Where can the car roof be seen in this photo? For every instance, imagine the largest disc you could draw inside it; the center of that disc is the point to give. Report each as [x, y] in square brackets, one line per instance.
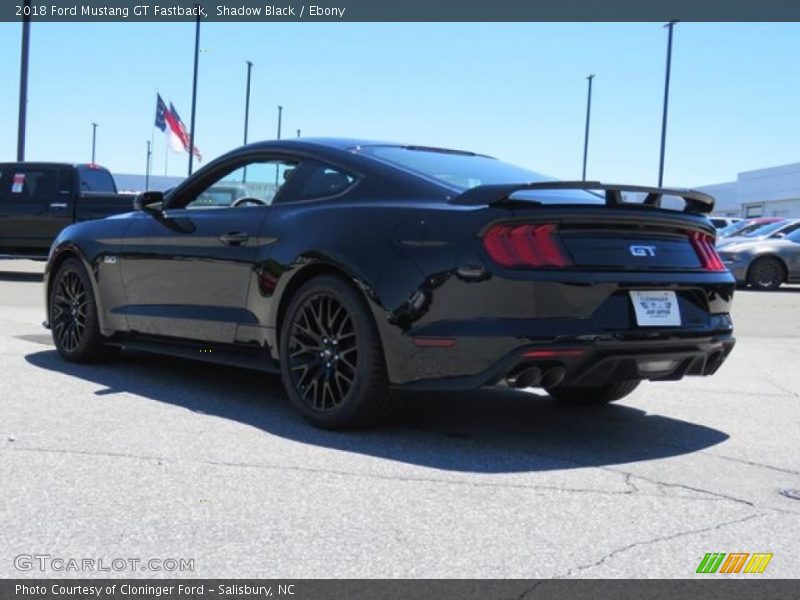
[346, 144]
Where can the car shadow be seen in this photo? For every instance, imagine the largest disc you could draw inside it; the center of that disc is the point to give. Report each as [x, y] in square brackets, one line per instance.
[492, 430]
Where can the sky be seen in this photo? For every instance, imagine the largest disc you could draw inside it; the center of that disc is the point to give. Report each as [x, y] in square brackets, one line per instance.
[516, 91]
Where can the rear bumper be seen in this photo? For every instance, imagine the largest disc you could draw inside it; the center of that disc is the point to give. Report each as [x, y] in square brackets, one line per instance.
[594, 363]
[479, 328]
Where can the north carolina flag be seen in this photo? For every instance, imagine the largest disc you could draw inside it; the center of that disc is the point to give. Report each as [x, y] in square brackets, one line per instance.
[178, 136]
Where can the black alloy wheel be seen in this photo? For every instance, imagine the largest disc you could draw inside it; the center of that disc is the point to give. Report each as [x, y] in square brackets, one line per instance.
[765, 274]
[332, 362]
[69, 311]
[73, 315]
[323, 352]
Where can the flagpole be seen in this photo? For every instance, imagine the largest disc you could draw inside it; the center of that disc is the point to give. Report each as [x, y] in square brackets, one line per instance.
[166, 153]
[194, 89]
[150, 148]
[147, 169]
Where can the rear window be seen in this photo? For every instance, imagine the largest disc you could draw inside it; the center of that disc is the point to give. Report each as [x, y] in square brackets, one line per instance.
[462, 171]
[95, 179]
[25, 184]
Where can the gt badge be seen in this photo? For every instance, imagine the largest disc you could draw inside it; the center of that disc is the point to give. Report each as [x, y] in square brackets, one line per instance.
[643, 250]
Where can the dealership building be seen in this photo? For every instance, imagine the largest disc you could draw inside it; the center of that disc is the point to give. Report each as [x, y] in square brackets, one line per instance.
[771, 192]
[127, 182]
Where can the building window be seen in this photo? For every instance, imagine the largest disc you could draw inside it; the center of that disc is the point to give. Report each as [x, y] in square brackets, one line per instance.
[753, 210]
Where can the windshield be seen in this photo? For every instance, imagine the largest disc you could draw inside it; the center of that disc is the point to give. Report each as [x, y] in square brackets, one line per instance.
[462, 171]
[732, 229]
[764, 229]
[748, 227]
[794, 236]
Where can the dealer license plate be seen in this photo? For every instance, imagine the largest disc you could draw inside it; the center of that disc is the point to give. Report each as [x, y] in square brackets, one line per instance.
[656, 309]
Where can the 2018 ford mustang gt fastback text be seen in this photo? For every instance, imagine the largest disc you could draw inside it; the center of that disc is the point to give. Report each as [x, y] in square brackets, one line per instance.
[357, 268]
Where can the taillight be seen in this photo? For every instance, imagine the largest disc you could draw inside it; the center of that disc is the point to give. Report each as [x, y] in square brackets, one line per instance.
[525, 246]
[703, 245]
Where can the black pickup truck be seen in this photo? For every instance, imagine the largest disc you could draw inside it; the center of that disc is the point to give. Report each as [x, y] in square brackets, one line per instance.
[37, 200]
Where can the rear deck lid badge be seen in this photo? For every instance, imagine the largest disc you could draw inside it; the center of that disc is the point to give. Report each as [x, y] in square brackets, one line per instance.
[642, 250]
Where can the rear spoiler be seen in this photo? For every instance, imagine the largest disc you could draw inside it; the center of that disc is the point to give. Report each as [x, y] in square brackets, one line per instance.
[490, 195]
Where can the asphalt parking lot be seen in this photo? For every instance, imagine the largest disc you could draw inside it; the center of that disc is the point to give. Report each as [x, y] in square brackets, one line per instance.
[151, 457]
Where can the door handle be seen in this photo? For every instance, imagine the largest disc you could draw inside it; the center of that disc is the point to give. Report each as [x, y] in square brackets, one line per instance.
[234, 238]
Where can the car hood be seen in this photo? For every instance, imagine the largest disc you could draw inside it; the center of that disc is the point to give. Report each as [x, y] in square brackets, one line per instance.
[737, 239]
[754, 244]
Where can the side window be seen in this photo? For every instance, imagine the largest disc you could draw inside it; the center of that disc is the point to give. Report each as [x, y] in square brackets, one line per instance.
[753, 210]
[324, 181]
[36, 186]
[255, 184]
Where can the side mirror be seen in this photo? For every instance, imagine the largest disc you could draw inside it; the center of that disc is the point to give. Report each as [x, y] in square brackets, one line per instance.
[149, 202]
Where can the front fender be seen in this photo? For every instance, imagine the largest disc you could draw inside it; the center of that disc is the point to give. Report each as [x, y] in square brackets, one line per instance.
[95, 244]
[59, 253]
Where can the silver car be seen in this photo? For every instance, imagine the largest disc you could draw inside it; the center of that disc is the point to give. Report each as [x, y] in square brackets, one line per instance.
[775, 229]
[764, 264]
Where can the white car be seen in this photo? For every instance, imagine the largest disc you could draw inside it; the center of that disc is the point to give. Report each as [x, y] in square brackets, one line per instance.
[720, 222]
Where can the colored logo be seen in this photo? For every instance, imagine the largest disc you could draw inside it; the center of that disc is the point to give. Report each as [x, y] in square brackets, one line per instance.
[735, 562]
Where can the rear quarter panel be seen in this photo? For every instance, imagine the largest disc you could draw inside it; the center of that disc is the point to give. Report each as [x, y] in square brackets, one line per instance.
[424, 271]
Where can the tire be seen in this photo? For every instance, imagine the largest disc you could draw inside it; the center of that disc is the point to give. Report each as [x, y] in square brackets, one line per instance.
[332, 363]
[596, 395]
[766, 274]
[72, 312]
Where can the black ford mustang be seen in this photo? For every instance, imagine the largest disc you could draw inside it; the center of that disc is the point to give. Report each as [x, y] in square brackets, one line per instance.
[356, 268]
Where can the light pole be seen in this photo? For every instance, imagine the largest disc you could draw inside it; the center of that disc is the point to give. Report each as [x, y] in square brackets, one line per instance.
[247, 100]
[280, 114]
[23, 82]
[669, 26]
[94, 139]
[586, 134]
[194, 88]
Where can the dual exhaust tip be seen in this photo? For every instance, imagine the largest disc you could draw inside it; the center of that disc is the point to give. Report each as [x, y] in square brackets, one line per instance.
[536, 377]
